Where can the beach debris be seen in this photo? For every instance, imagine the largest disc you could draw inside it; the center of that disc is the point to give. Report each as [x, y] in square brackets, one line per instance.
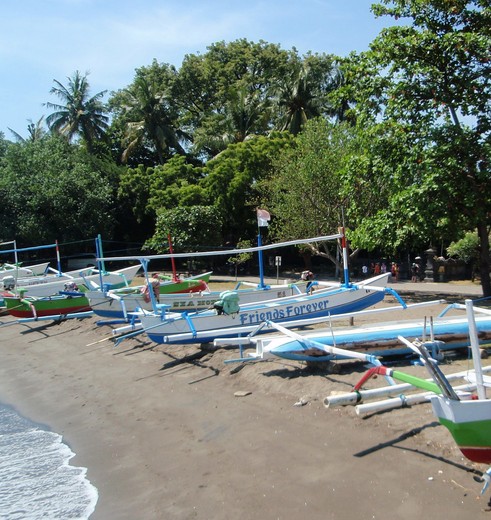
[302, 401]
[242, 393]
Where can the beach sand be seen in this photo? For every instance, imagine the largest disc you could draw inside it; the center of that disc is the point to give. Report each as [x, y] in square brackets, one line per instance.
[164, 438]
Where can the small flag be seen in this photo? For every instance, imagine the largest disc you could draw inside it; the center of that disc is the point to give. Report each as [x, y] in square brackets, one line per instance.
[262, 218]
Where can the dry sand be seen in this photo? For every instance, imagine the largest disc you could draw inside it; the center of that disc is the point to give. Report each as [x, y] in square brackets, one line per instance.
[164, 438]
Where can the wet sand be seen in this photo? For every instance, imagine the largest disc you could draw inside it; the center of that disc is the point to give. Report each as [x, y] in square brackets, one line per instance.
[165, 435]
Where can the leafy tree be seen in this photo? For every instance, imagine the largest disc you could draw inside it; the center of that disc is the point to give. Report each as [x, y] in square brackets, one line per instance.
[52, 190]
[303, 93]
[233, 181]
[3, 145]
[466, 249]
[230, 184]
[245, 115]
[194, 228]
[241, 258]
[176, 183]
[424, 86]
[305, 190]
[78, 114]
[225, 93]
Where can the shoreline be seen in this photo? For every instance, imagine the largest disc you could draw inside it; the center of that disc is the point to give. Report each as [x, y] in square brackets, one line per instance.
[162, 438]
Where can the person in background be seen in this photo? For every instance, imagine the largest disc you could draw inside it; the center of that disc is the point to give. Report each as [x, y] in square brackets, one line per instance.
[394, 271]
[308, 276]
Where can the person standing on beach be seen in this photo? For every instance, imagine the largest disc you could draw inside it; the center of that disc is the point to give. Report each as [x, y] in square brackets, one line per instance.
[394, 271]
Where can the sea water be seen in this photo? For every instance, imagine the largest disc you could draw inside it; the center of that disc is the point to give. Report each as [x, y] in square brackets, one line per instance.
[36, 480]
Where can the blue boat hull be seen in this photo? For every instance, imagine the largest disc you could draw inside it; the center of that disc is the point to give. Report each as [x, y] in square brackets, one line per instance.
[381, 340]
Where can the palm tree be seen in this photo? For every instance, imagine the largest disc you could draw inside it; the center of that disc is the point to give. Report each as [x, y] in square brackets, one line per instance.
[297, 100]
[151, 116]
[80, 114]
[303, 95]
[244, 115]
[35, 130]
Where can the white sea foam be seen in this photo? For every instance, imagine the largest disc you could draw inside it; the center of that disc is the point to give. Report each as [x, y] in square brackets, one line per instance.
[36, 478]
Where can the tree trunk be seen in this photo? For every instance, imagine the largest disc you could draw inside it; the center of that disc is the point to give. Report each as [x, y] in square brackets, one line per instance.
[484, 258]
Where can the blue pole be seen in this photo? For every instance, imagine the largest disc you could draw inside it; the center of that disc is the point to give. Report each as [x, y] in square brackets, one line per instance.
[102, 266]
[98, 252]
[144, 262]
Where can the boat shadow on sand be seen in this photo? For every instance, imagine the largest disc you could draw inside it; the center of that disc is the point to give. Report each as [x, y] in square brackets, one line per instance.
[393, 443]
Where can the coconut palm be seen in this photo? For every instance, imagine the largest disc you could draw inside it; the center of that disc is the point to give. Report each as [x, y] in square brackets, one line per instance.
[80, 114]
[150, 117]
[303, 94]
[244, 114]
[36, 131]
[297, 100]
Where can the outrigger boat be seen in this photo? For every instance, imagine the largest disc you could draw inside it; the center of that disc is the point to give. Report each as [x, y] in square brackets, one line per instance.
[16, 269]
[58, 305]
[162, 326]
[466, 416]
[184, 293]
[119, 304]
[379, 339]
[51, 284]
[91, 277]
[23, 270]
[204, 327]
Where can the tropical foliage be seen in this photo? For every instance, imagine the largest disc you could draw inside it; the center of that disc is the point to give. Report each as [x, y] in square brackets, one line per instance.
[79, 114]
[395, 142]
[52, 190]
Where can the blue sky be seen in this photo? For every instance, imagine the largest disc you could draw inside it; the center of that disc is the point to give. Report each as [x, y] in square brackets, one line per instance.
[43, 40]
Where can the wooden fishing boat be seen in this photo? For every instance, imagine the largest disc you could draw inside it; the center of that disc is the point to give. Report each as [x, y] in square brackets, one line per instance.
[22, 271]
[467, 417]
[117, 304]
[469, 423]
[91, 277]
[204, 327]
[55, 305]
[378, 339]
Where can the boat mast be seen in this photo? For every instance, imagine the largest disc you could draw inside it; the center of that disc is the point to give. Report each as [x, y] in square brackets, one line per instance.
[344, 247]
[476, 354]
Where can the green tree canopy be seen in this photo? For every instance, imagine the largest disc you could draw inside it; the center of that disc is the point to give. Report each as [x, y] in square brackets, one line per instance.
[148, 113]
[305, 191]
[52, 190]
[425, 87]
[194, 228]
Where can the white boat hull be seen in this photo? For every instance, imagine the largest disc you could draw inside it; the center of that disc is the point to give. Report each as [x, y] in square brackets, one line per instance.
[204, 327]
[115, 306]
[24, 271]
[52, 284]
